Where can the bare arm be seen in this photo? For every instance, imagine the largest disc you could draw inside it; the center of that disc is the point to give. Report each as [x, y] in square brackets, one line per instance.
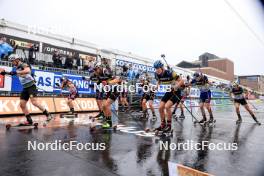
[26, 70]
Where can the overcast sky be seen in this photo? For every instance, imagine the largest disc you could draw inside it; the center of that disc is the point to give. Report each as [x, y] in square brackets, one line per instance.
[181, 29]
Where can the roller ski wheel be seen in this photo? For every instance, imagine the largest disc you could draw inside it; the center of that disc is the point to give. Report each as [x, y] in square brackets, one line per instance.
[8, 126]
[92, 129]
[35, 125]
[44, 124]
[114, 127]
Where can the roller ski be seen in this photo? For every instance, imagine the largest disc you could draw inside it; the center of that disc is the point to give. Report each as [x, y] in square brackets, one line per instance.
[162, 131]
[105, 125]
[69, 115]
[22, 126]
[182, 116]
[99, 117]
[167, 132]
[211, 123]
[156, 130]
[201, 122]
[49, 118]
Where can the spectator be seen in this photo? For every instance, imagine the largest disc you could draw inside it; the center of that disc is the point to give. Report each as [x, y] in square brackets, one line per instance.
[5, 49]
[90, 64]
[13, 45]
[85, 64]
[57, 60]
[32, 54]
[69, 62]
[79, 63]
[131, 73]
[125, 69]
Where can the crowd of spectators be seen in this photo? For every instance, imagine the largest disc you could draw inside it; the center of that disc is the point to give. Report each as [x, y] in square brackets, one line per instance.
[70, 61]
[130, 72]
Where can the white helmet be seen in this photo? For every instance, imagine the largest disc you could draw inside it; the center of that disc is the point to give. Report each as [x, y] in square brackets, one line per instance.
[13, 57]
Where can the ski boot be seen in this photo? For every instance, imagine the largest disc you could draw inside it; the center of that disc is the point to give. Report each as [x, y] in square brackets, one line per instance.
[202, 122]
[211, 122]
[160, 128]
[48, 115]
[182, 116]
[167, 131]
[256, 120]
[29, 120]
[144, 116]
[154, 117]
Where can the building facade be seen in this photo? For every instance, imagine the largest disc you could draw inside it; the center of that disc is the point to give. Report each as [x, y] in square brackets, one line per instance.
[255, 82]
[211, 65]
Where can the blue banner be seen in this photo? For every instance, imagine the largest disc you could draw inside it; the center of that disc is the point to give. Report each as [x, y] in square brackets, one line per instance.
[50, 82]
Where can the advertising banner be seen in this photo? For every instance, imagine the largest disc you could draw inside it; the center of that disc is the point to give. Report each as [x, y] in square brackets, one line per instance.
[44, 80]
[135, 66]
[80, 104]
[10, 105]
[21, 43]
[5, 80]
[50, 82]
[50, 49]
[181, 170]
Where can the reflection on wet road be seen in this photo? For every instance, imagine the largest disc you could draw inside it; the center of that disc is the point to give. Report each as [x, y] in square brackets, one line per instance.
[129, 154]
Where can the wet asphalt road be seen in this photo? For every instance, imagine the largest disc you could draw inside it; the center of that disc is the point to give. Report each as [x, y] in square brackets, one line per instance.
[129, 154]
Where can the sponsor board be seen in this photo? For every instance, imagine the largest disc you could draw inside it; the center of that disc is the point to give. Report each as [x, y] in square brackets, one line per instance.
[181, 170]
[135, 66]
[49, 81]
[80, 104]
[10, 105]
[5, 80]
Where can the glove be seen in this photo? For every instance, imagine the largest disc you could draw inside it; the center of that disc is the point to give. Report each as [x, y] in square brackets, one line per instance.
[3, 73]
[12, 73]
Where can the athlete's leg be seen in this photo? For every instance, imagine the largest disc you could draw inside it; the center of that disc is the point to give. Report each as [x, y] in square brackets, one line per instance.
[252, 114]
[209, 109]
[151, 107]
[202, 111]
[70, 104]
[144, 107]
